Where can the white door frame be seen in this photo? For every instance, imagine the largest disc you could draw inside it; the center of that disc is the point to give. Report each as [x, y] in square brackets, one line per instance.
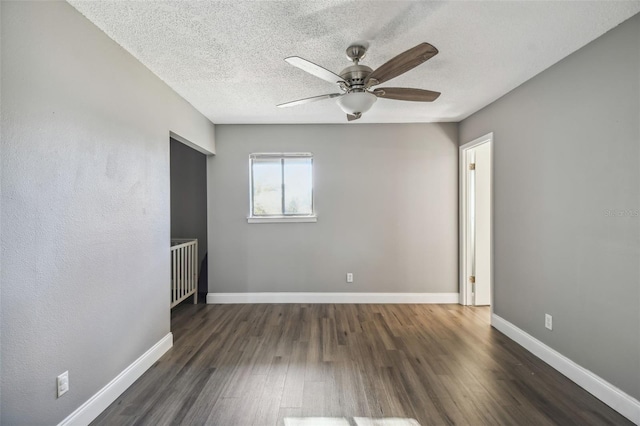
[465, 287]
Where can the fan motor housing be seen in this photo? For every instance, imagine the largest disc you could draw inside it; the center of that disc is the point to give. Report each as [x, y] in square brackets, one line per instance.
[355, 75]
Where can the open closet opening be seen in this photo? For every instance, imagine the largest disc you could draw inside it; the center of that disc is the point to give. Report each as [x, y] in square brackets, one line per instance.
[188, 224]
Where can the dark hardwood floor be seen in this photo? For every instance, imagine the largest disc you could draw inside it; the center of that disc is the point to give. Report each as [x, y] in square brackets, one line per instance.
[439, 364]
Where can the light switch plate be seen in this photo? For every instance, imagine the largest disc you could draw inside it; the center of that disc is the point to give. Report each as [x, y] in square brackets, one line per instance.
[548, 321]
[63, 383]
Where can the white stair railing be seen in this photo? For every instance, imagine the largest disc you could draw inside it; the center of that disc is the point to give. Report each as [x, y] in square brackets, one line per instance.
[184, 270]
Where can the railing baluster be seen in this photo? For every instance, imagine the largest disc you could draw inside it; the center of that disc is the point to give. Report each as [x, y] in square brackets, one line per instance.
[191, 270]
[196, 259]
[187, 270]
[184, 271]
[181, 272]
[173, 277]
[179, 254]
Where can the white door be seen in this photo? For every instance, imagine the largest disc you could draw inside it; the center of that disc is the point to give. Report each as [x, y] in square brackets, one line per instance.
[479, 217]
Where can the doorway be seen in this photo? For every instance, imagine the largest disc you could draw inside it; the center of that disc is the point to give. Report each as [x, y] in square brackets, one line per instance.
[188, 171]
[476, 175]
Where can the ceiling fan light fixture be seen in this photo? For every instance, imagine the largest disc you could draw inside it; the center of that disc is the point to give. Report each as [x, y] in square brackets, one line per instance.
[356, 80]
[356, 102]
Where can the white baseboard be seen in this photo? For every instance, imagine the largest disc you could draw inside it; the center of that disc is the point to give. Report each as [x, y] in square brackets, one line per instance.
[91, 409]
[595, 385]
[361, 298]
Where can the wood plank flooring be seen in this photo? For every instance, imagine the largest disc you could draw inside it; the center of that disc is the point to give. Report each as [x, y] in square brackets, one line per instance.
[439, 364]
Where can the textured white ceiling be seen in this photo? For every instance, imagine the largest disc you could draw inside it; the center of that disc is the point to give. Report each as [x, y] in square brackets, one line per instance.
[226, 57]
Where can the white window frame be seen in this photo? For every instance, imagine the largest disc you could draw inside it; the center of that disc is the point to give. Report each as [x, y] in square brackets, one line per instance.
[284, 218]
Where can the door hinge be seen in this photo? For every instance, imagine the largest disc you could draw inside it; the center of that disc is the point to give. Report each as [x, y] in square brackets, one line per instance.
[472, 166]
[472, 279]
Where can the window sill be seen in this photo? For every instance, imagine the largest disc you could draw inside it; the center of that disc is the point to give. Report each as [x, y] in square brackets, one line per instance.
[283, 219]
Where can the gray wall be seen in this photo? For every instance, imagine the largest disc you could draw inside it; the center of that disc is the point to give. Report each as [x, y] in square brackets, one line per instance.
[85, 208]
[189, 195]
[566, 150]
[386, 199]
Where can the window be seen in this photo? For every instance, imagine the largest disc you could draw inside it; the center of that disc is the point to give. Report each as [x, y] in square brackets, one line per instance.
[281, 187]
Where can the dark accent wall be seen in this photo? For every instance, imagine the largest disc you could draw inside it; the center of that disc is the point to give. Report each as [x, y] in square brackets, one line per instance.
[189, 196]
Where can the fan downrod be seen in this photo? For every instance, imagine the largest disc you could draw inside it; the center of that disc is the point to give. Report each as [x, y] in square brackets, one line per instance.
[356, 52]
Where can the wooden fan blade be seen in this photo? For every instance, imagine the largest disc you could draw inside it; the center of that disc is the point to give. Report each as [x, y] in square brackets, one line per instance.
[403, 62]
[314, 69]
[308, 100]
[406, 94]
[351, 117]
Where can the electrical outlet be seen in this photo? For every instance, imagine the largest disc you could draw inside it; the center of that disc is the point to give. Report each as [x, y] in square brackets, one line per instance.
[349, 277]
[63, 383]
[548, 321]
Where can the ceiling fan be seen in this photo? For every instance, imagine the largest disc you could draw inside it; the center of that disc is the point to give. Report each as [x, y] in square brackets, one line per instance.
[356, 81]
